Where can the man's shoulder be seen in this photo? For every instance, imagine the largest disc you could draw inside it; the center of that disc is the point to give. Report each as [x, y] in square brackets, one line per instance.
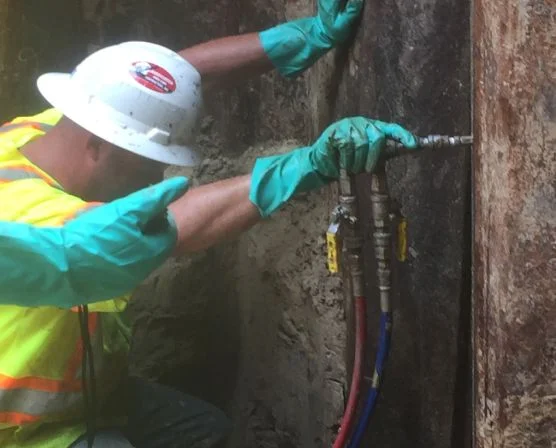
[29, 197]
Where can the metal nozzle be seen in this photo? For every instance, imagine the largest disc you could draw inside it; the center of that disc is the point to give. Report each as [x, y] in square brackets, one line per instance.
[442, 141]
[394, 149]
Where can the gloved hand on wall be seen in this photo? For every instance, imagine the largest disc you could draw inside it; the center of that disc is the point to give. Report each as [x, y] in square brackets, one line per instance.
[295, 46]
[103, 253]
[353, 144]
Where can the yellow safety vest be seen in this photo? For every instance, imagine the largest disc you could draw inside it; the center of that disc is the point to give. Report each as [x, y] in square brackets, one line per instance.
[40, 348]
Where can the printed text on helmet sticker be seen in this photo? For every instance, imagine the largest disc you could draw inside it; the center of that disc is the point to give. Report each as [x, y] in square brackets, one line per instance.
[153, 77]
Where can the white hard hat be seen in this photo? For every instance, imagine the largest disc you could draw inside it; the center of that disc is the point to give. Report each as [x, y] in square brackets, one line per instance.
[136, 95]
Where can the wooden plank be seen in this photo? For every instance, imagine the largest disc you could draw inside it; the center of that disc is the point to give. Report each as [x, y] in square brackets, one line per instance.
[515, 223]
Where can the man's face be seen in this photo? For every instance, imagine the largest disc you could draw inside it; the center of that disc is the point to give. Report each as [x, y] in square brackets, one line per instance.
[117, 172]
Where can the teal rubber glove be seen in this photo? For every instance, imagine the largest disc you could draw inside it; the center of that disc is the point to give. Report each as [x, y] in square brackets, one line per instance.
[103, 253]
[353, 144]
[294, 46]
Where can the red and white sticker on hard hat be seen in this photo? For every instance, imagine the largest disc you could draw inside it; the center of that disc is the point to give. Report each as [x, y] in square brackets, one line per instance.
[153, 77]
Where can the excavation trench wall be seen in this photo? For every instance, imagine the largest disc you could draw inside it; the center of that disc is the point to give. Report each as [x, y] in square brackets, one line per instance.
[257, 325]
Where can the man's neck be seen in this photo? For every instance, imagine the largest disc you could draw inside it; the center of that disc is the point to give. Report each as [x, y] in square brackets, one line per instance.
[50, 154]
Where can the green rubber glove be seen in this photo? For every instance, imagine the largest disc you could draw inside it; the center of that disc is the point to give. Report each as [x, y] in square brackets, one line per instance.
[294, 46]
[353, 144]
[103, 253]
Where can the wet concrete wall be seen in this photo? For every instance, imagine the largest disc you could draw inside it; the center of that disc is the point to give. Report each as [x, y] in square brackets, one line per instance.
[515, 223]
[257, 325]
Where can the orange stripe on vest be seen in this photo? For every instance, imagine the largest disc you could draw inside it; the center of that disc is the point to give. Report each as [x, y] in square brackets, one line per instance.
[18, 418]
[25, 169]
[42, 384]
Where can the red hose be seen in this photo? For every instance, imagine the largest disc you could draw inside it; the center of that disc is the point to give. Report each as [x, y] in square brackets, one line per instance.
[351, 407]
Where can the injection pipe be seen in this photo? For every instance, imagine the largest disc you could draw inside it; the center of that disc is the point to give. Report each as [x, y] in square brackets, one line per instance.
[346, 214]
[395, 149]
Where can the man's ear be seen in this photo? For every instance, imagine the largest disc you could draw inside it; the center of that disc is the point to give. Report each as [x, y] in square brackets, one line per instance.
[94, 147]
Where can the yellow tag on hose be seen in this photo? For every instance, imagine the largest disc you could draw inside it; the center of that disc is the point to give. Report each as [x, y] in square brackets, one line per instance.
[333, 248]
[401, 247]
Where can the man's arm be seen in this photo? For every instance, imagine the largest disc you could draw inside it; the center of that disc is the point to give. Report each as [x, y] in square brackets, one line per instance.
[104, 252]
[228, 60]
[209, 214]
[291, 47]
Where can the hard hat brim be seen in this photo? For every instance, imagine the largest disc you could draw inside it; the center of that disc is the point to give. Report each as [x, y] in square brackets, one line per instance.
[59, 91]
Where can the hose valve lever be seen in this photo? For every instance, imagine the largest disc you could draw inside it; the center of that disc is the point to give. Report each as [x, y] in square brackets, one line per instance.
[333, 242]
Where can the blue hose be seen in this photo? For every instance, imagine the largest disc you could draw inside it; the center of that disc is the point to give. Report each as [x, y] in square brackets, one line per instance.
[372, 395]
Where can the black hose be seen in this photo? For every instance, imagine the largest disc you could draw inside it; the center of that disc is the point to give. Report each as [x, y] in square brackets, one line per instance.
[88, 370]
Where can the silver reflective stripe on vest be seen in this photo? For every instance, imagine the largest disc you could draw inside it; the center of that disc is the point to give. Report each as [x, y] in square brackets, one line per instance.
[7, 174]
[12, 174]
[34, 124]
[37, 402]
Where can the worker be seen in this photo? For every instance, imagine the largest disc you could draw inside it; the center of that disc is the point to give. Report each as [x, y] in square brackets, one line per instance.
[60, 266]
[125, 114]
